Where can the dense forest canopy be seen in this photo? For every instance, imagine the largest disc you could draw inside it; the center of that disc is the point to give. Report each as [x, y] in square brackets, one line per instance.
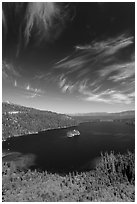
[18, 120]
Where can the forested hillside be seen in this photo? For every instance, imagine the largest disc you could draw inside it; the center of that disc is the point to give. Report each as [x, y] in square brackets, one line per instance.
[113, 180]
[18, 120]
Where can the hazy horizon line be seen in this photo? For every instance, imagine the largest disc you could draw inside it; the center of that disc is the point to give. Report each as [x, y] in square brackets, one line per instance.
[75, 113]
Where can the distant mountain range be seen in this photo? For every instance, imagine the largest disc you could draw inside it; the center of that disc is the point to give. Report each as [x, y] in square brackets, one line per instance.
[123, 113]
[82, 117]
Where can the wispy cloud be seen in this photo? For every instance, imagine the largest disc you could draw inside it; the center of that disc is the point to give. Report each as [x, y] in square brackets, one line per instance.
[15, 83]
[109, 96]
[36, 90]
[4, 23]
[94, 69]
[9, 74]
[28, 91]
[65, 58]
[42, 20]
[66, 87]
[31, 95]
[12, 78]
[8, 70]
[124, 72]
[42, 15]
[96, 56]
[32, 92]
[118, 71]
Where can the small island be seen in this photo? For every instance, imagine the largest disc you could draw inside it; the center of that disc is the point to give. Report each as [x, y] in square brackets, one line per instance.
[73, 133]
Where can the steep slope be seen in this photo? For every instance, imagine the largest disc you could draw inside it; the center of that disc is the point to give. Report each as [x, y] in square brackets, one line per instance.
[18, 120]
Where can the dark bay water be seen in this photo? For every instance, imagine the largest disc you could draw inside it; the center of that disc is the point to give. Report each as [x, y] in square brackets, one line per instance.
[53, 150]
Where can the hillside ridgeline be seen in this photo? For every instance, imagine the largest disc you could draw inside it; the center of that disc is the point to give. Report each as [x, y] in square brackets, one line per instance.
[19, 120]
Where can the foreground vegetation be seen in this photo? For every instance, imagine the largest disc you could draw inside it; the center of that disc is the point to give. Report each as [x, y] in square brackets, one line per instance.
[112, 180]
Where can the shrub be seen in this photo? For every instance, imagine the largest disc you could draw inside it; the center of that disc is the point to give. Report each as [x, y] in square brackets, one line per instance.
[113, 180]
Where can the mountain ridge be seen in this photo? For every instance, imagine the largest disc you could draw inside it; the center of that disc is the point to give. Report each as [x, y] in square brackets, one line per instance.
[131, 112]
[20, 120]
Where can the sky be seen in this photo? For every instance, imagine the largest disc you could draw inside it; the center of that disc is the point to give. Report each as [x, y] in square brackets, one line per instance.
[69, 57]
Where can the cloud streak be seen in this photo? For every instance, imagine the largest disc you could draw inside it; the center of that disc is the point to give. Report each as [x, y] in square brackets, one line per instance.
[9, 74]
[46, 17]
[109, 96]
[15, 83]
[15, 80]
[29, 88]
[30, 92]
[8, 70]
[33, 20]
[101, 71]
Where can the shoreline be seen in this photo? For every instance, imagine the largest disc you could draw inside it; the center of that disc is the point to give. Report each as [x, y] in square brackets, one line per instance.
[38, 132]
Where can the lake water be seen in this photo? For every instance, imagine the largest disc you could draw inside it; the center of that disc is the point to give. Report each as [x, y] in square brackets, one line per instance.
[53, 150]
